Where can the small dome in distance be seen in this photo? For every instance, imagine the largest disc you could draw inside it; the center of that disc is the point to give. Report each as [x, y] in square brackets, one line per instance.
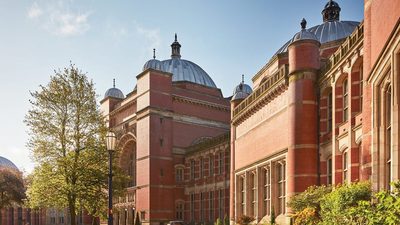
[304, 34]
[153, 63]
[241, 91]
[114, 92]
[5, 163]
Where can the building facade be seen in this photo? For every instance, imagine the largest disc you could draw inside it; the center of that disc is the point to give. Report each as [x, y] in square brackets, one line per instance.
[174, 109]
[324, 110]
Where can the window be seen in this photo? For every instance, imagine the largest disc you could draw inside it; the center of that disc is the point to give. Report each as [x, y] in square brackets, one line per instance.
[242, 194]
[192, 206]
[201, 167]
[211, 165]
[281, 174]
[267, 190]
[221, 203]
[253, 194]
[192, 165]
[329, 112]
[388, 125]
[201, 206]
[211, 205]
[221, 162]
[361, 87]
[179, 211]
[329, 170]
[345, 100]
[132, 170]
[345, 167]
[179, 174]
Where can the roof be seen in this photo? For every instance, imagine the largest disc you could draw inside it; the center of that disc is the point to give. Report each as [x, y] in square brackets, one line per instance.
[6, 163]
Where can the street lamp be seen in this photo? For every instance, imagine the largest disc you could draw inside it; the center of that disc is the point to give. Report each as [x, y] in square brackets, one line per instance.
[110, 142]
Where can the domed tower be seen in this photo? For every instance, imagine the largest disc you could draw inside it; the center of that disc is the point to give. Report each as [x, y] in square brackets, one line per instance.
[304, 63]
[153, 63]
[112, 97]
[240, 92]
[331, 11]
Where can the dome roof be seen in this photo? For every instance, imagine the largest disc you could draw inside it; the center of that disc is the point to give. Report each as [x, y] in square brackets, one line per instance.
[331, 29]
[114, 92]
[304, 34]
[241, 91]
[182, 70]
[153, 63]
[5, 163]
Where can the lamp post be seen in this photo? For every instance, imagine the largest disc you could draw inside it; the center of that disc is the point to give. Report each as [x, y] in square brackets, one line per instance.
[110, 141]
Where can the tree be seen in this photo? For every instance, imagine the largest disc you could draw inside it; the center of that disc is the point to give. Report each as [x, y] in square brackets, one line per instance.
[12, 190]
[67, 142]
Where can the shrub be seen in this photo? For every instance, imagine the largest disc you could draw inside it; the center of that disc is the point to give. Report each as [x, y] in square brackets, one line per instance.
[244, 220]
[218, 222]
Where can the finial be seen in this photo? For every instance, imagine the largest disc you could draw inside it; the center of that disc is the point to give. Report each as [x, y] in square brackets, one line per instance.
[114, 83]
[303, 23]
[154, 53]
[176, 37]
[242, 78]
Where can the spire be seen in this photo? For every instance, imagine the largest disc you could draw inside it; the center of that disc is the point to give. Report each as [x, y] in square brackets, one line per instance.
[303, 24]
[176, 48]
[331, 11]
[154, 53]
[114, 83]
[242, 78]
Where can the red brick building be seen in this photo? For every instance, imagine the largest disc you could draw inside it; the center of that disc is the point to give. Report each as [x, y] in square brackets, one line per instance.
[324, 110]
[169, 132]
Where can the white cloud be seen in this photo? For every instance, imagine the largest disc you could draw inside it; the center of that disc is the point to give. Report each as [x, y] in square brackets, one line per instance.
[59, 18]
[34, 11]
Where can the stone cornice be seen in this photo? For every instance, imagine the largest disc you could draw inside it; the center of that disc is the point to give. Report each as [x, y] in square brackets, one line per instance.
[122, 107]
[267, 91]
[205, 145]
[193, 101]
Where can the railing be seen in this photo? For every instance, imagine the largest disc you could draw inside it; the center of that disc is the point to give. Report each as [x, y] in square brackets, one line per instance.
[265, 87]
[347, 45]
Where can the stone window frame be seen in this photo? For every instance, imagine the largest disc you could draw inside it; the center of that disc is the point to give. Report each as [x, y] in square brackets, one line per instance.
[281, 185]
[253, 192]
[211, 205]
[329, 170]
[345, 166]
[179, 173]
[345, 99]
[211, 165]
[329, 111]
[202, 204]
[192, 206]
[180, 209]
[387, 99]
[221, 159]
[266, 171]
[192, 169]
[221, 197]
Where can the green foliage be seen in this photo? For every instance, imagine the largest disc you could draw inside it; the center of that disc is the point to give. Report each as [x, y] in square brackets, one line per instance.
[336, 206]
[226, 220]
[306, 205]
[12, 190]
[272, 219]
[67, 143]
[218, 222]
[244, 220]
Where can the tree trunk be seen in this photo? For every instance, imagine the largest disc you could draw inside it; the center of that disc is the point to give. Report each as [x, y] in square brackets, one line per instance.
[72, 213]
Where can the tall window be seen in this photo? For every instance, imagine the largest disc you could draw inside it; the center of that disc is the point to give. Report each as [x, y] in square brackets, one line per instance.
[211, 205]
[253, 197]
[221, 162]
[242, 195]
[221, 203]
[202, 206]
[345, 167]
[345, 100]
[281, 174]
[361, 87]
[329, 112]
[179, 211]
[132, 170]
[211, 165]
[192, 167]
[201, 167]
[388, 125]
[179, 174]
[267, 190]
[192, 206]
[329, 170]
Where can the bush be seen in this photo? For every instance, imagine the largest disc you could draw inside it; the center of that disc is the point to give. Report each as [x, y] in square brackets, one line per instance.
[218, 222]
[244, 220]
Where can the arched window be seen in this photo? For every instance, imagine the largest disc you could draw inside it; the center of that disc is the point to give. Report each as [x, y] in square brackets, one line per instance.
[388, 133]
[281, 175]
[132, 170]
[345, 100]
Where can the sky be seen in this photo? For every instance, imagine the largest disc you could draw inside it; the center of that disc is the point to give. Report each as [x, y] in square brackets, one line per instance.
[113, 39]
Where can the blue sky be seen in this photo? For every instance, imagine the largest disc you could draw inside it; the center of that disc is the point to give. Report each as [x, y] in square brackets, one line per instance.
[113, 39]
